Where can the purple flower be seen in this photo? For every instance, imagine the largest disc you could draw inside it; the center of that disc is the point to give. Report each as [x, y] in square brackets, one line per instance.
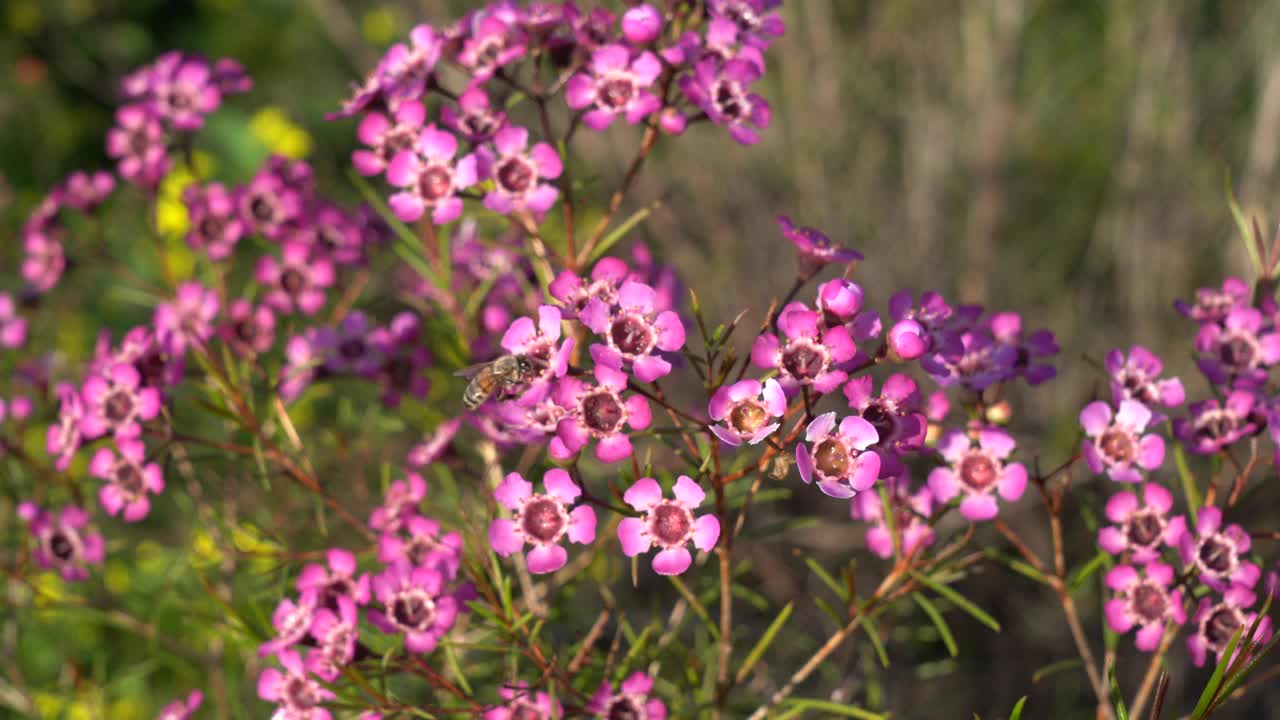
[415, 605]
[63, 438]
[757, 20]
[350, 348]
[1117, 444]
[840, 458]
[129, 479]
[1237, 350]
[540, 343]
[742, 411]
[335, 631]
[333, 581]
[634, 330]
[291, 620]
[616, 85]
[811, 353]
[606, 277]
[63, 541]
[188, 320]
[337, 234]
[490, 47]
[1029, 349]
[1217, 622]
[720, 89]
[86, 191]
[43, 261]
[597, 412]
[977, 362]
[13, 327]
[1212, 304]
[667, 524]
[182, 709]
[387, 138]
[297, 282]
[977, 471]
[399, 504]
[910, 518]
[517, 173]
[295, 691]
[248, 330]
[1143, 600]
[403, 359]
[230, 77]
[270, 204]
[894, 413]
[1213, 425]
[434, 445]
[405, 68]
[541, 520]
[1218, 553]
[304, 362]
[641, 24]
[115, 402]
[431, 178]
[216, 226]
[630, 701]
[138, 145]
[1141, 527]
[425, 546]
[521, 703]
[594, 29]
[1136, 377]
[182, 90]
[474, 119]
[920, 329]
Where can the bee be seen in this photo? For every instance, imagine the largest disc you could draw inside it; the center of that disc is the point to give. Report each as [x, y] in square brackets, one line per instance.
[494, 377]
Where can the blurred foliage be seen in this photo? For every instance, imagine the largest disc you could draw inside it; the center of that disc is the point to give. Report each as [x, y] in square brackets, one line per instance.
[1069, 159]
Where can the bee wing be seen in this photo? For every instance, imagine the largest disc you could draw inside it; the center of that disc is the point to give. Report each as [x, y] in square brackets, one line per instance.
[471, 371]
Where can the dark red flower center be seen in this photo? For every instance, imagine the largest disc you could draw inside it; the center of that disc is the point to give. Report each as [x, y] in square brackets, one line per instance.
[670, 523]
[479, 124]
[262, 208]
[804, 360]
[293, 281]
[1144, 528]
[730, 100]
[616, 92]
[399, 371]
[543, 519]
[211, 226]
[1148, 602]
[602, 412]
[978, 471]
[1137, 386]
[118, 406]
[1238, 351]
[748, 417]
[516, 175]
[1216, 425]
[632, 335]
[435, 182]
[352, 348]
[413, 610]
[1221, 625]
[129, 478]
[1118, 446]
[1216, 554]
[61, 546]
[522, 710]
[299, 692]
[398, 138]
[831, 458]
[624, 708]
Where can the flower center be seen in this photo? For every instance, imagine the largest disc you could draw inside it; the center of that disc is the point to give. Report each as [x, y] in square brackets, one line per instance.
[399, 371]
[1118, 446]
[883, 419]
[480, 124]
[602, 412]
[129, 478]
[978, 471]
[632, 335]
[670, 523]
[299, 692]
[730, 100]
[400, 137]
[119, 406]
[413, 610]
[352, 348]
[1137, 386]
[616, 92]
[61, 546]
[262, 209]
[1144, 528]
[1148, 602]
[212, 226]
[435, 182]
[543, 519]
[1216, 555]
[1238, 351]
[747, 417]
[805, 360]
[245, 330]
[516, 175]
[293, 281]
[1216, 424]
[831, 458]
[624, 708]
[1221, 625]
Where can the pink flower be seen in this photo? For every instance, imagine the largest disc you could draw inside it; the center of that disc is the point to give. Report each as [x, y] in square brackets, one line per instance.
[721, 89]
[271, 203]
[350, 347]
[634, 331]
[910, 518]
[405, 68]
[894, 413]
[616, 85]
[138, 144]
[492, 45]
[811, 354]
[630, 701]
[742, 411]
[335, 631]
[1218, 553]
[415, 604]
[188, 320]
[1140, 528]
[518, 173]
[13, 327]
[840, 459]
[291, 620]
[977, 471]
[540, 343]
[814, 250]
[63, 438]
[399, 504]
[334, 580]
[1136, 377]
[1117, 444]
[521, 703]
[1213, 304]
[297, 282]
[115, 402]
[216, 227]
[667, 524]
[404, 357]
[597, 412]
[248, 330]
[426, 546]
[1144, 602]
[474, 119]
[63, 541]
[541, 520]
[606, 277]
[129, 479]
[182, 709]
[641, 24]
[86, 191]
[295, 691]
[431, 178]
[1217, 622]
[1238, 352]
[386, 138]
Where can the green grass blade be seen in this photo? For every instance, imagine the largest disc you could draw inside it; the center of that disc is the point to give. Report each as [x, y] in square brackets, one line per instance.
[938, 622]
[765, 641]
[1210, 691]
[958, 600]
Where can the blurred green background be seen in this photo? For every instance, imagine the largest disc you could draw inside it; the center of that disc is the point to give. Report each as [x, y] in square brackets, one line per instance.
[1069, 159]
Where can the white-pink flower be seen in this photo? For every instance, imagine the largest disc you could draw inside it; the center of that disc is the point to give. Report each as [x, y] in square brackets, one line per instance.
[541, 520]
[667, 524]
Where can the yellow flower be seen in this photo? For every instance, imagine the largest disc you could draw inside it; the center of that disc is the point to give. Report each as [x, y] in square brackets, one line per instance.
[274, 130]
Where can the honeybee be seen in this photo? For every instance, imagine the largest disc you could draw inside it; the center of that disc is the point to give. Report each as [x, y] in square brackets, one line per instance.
[494, 377]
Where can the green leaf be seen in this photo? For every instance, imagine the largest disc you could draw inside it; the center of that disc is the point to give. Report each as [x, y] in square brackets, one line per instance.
[1210, 691]
[1088, 569]
[1246, 235]
[835, 708]
[1117, 699]
[873, 634]
[1017, 709]
[826, 578]
[698, 608]
[608, 241]
[1190, 490]
[1055, 668]
[764, 642]
[932, 611]
[1018, 566]
[958, 600]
